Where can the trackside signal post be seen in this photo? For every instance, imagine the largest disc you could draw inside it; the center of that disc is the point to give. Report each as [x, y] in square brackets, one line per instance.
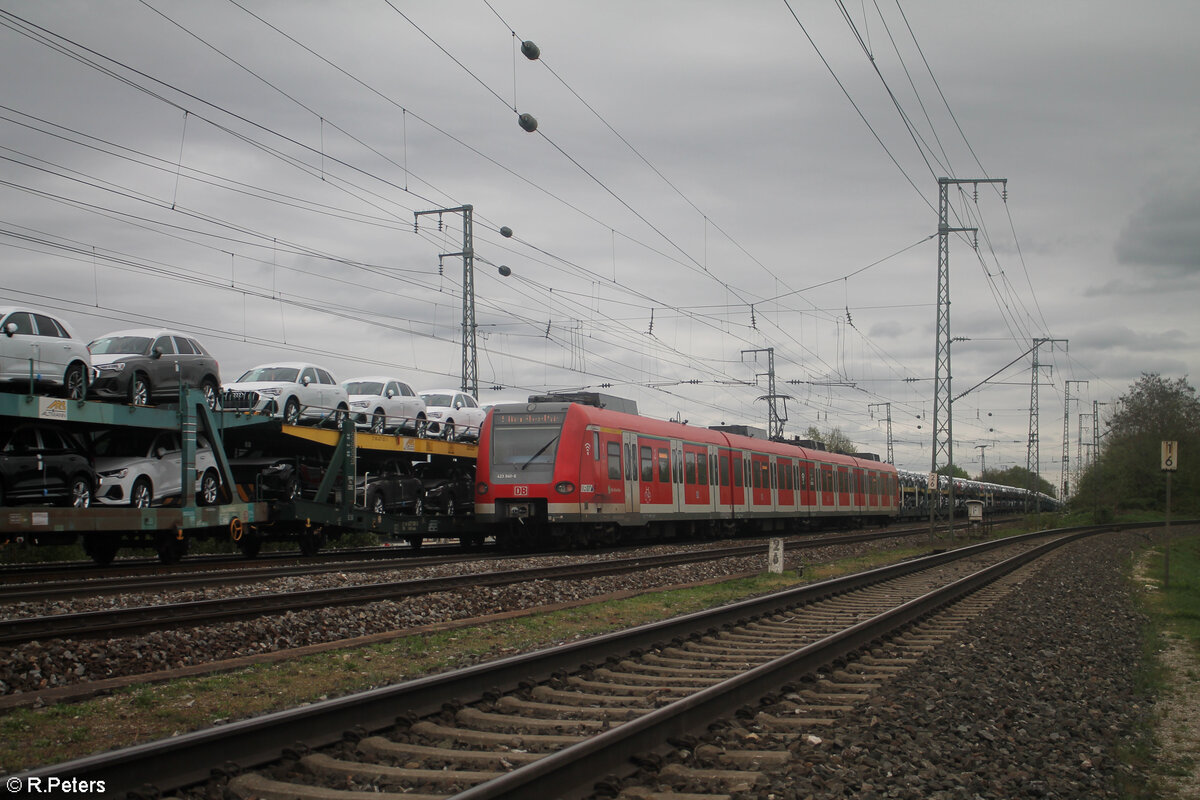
[1170, 462]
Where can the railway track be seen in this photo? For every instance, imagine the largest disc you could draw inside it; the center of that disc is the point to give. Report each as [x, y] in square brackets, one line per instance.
[46, 588]
[69, 589]
[84, 572]
[121, 621]
[549, 723]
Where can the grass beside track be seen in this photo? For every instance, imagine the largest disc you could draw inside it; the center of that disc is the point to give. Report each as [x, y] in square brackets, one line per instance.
[1170, 670]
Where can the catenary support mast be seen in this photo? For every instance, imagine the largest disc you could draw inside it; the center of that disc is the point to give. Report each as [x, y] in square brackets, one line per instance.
[943, 426]
[470, 356]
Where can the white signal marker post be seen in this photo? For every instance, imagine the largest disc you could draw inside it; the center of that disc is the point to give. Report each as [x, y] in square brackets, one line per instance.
[1170, 462]
[775, 556]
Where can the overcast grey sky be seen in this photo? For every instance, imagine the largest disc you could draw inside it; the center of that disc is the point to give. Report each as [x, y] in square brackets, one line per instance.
[707, 178]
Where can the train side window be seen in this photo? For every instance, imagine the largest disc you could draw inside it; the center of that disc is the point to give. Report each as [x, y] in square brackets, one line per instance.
[614, 461]
[596, 445]
[664, 467]
[737, 471]
[647, 464]
[756, 477]
[701, 469]
[723, 470]
[690, 467]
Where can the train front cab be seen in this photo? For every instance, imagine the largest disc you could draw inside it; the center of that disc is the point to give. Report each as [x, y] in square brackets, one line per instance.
[573, 474]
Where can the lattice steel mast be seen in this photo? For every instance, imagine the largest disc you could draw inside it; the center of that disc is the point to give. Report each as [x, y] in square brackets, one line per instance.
[1033, 449]
[943, 425]
[1064, 480]
[775, 418]
[470, 356]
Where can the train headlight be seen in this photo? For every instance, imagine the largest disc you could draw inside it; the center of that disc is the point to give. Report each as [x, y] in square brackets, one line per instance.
[481, 488]
[564, 487]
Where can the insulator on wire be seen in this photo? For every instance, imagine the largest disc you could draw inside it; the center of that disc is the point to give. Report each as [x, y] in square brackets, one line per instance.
[530, 50]
[506, 231]
[527, 122]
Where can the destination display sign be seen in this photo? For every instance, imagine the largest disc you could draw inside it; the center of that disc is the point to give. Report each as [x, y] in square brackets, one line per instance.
[529, 417]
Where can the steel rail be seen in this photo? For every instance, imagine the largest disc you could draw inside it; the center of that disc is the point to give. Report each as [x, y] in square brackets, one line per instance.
[111, 622]
[50, 590]
[158, 583]
[187, 759]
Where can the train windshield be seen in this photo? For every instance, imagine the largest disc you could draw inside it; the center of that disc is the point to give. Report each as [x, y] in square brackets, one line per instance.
[524, 445]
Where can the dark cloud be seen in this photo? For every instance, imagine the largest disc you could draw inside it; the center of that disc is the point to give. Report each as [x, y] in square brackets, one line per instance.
[1165, 231]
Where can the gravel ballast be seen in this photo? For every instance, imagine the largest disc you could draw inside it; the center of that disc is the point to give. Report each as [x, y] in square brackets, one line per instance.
[1035, 699]
[36, 666]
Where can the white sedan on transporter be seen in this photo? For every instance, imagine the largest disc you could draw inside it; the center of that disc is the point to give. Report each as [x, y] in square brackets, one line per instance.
[294, 391]
[452, 414]
[381, 403]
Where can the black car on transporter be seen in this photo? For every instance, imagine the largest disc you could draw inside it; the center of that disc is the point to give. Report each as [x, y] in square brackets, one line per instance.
[147, 365]
[41, 464]
[390, 487]
[449, 486]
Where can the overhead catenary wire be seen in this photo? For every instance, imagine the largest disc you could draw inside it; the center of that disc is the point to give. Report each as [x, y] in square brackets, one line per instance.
[684, 310]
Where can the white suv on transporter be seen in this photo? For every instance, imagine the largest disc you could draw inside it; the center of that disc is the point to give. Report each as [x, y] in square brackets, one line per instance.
[294, 391]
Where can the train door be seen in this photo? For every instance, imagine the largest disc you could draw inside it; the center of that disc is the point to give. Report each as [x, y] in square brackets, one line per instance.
[629, 447]
[677, 488]
[827, 488]
[590, 469]
[743, 490]
[771, 480]
[805, 483]
[714, 483]
[783, 480]
[724, 472]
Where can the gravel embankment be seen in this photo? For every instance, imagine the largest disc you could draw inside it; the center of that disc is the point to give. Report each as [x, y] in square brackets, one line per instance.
[1035, 699]
[60, 662]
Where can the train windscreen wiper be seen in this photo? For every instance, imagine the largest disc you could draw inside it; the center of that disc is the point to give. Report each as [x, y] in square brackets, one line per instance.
[533, 457]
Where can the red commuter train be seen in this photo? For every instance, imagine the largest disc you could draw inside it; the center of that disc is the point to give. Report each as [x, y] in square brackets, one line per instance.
[573, 474]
